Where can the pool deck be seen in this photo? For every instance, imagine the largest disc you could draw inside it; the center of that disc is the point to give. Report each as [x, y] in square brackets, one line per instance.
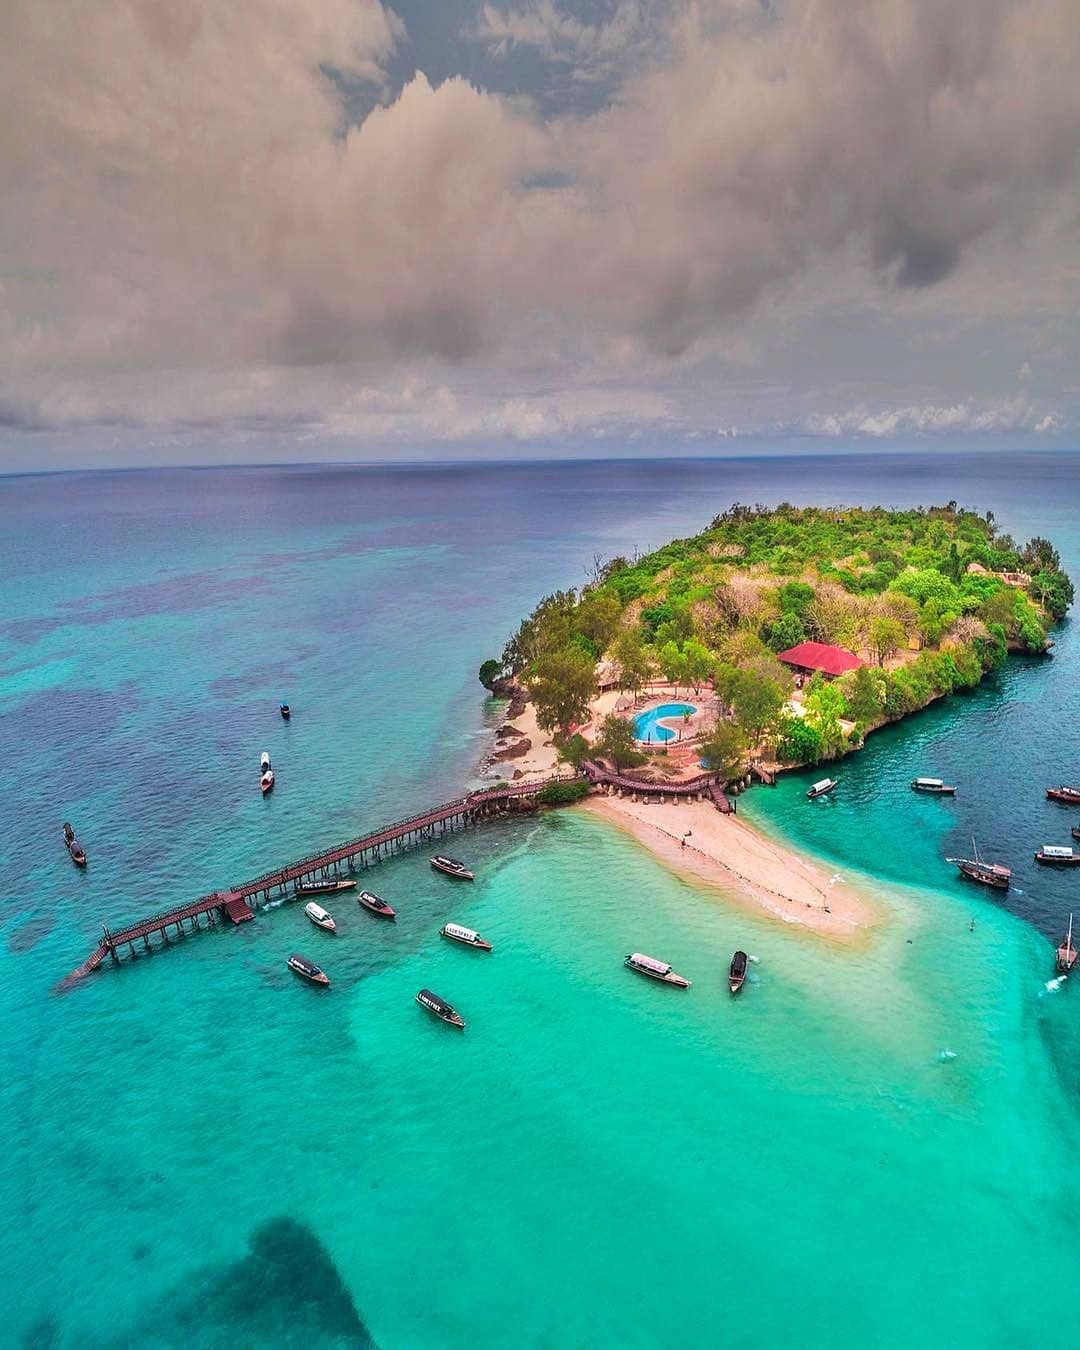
[684, 729]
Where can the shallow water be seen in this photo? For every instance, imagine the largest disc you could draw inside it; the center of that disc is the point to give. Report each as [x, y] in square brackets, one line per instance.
[869, 1147]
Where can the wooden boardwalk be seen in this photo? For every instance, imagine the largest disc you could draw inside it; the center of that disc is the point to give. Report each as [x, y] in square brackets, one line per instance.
[238, 902]
[704, 785]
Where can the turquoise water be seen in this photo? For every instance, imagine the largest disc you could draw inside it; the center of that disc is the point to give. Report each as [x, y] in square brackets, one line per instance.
[647, 725]
[867, 1147]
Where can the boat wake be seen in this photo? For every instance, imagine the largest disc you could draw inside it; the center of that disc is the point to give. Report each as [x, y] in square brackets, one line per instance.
[1052, 986]
[274, 904]
[945, 1055]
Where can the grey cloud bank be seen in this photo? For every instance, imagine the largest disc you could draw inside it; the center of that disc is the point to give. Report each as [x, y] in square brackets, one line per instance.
[194, 233]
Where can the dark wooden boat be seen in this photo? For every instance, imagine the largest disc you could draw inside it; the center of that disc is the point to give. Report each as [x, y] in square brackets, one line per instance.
[468, 937]
[75, 850]
[1069, 795]
[1076, 831]
[442, 1010]
[376, 904]
[1066, 952]
[655, 970]
[1057, 855]
[995, 875]
[451, 867]
[285, 711]
[737, 972]
[934, 785]
[307, 969]
[328, 886]
[820, 788]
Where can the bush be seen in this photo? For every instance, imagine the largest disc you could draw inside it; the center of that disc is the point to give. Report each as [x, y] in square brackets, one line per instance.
[563, 794]
[798, 742]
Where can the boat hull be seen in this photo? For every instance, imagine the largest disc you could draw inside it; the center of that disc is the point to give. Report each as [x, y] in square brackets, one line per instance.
[671, 978]
[480, 945]
[935, 791]
[982, 879]
[1071, 796]
[316, 976]
[448, 870]
[1044, 861]
[1066, 960]
[448, 1016]
[380, 911]
[323, 888]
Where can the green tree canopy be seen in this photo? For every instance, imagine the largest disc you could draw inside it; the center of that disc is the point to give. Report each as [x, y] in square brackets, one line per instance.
[616, 741]
[562, 685]
[723, 749]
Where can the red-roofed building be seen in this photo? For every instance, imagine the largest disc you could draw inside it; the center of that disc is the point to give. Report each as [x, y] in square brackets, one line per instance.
[808, 658]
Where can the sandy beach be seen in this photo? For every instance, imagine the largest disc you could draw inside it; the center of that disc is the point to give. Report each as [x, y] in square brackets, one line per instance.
[739, 860]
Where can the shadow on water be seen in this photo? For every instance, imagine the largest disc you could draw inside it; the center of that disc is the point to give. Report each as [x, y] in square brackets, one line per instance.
[285, 1291]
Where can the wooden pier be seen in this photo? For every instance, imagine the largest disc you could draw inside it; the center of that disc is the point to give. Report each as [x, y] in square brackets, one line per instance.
[705, 785]
[238, 903]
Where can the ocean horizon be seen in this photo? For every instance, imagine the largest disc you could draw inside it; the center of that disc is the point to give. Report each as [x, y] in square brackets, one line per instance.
[871, 1146]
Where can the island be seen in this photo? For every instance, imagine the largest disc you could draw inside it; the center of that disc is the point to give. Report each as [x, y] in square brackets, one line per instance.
[776, 639]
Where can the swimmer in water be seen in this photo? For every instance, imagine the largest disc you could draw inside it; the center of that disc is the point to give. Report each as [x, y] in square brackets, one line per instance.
[971, 925]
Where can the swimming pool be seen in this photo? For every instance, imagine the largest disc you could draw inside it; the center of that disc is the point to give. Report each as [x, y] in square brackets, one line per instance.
[647, 724]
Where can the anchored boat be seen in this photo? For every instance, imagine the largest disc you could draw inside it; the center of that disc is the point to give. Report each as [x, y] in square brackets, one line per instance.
[376, 904]
[452, 867]
[439, 1006]
[320, 917]
[285, 710]
[468, 937]
[1069, 795]
[820, 788]
[1056, 855]
[656, 970]
[328, 886]
[737, 972]
[933, 785]
[307, 969]
[996, 875]
[266, 782]
[75, 850]
[1066, 953]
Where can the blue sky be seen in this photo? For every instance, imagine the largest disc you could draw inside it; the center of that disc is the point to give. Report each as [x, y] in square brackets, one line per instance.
[353, 229]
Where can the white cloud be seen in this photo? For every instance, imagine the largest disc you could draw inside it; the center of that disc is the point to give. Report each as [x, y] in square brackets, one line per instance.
[966, 418]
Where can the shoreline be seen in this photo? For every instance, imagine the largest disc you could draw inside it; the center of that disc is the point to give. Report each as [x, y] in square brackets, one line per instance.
[744, 865]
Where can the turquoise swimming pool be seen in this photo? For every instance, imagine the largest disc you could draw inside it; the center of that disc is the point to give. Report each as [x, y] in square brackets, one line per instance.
[647, 725]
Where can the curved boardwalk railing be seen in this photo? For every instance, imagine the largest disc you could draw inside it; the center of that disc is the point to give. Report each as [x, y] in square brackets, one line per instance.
[464, 808]
[689, 787]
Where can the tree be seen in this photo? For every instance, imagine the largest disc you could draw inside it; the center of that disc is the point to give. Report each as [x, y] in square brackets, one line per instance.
[724, 749]
[699, 662]
[825, 706]
[755, 702]
[786, 632]
[616, 741]
[865, 695]
[573, 750]
[885, 638]
[489, 673]
[798, 742]
[673, 663]
[1054, 590]
[549, 626]
[1040, 555]
[598, 618]
[634, 660]
[562, 686]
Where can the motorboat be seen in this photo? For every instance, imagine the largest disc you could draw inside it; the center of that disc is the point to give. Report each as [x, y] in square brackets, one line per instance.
[264, 762]
[266, 782]
[1066, 952]
[376, 904]
[737, 972]
[1069, 795]
[933, 785]
[325, 886]
[439, 1006]
[1056, 855]
[995, 875]
[468, 937]
[285, 710]
[320, 917]
[452, 867]
[75, 850]
[1076, 831]
[656, 970]
[820, 788]
[308, 969]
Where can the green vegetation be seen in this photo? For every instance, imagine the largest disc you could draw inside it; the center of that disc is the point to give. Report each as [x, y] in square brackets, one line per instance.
[489, 673]
[919, 595]
[616, 741]
[563, 794]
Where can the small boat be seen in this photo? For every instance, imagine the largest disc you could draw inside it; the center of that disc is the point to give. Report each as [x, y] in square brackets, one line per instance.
[1055, 855]
[74, 848]
[1066, 953]
[1069, 795]
[820, 788]
[933, 785]
[467, 936]
[308, 969]
[985, 873]
[319, 917]
[285, 710]
[737, 972]
[266, 782]
[376, 904]
[1076, 831]
[656, 970]
[328, 886]
[451, 867]
[439, 1006]
[264, 762]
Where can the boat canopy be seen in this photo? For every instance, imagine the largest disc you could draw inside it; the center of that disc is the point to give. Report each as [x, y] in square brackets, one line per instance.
[930, 782]
[304, 964]
[822, 783]
[458, 931]
[316, 911]
[1057, 851]
[650, 963]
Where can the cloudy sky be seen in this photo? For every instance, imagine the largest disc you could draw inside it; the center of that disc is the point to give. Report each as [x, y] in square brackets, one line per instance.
[346, 228]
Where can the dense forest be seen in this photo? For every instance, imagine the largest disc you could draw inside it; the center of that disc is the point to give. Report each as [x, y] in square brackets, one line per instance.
[930, 599]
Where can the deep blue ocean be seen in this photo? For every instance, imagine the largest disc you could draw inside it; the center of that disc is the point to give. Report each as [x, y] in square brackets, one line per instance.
[872, 1146]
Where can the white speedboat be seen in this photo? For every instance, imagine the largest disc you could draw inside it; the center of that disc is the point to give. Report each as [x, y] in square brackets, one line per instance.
[264, 762]
[320, 917]
[468, 937]
[820, 788]
[656, 970]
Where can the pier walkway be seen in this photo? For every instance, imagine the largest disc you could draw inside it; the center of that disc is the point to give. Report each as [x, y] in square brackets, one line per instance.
[704, 785]
[238, 902]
